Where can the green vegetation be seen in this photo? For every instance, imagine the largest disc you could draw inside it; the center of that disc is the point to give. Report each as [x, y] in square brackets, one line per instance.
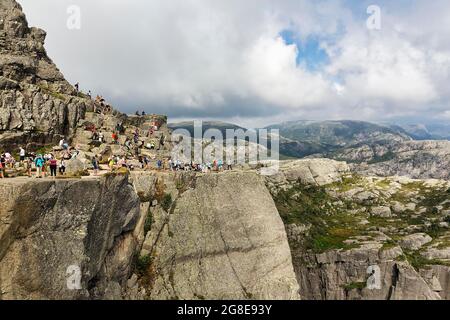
[312, 206]
[388, 245]
[166, 201]
[148, 222]
[435, 197]
[419, 262]
[384, 158]
[54, 94]
[348, 183]
[143, 264]
[383, 184]
[355, 285]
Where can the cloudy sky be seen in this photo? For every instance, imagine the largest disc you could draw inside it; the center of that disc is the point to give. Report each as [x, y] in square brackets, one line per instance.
[256, 62]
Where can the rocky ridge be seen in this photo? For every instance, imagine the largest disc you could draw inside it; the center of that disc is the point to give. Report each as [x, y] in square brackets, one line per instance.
[342, 228]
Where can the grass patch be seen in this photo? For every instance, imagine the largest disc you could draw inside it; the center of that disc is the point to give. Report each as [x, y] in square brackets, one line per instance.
[355, 285]
[348, 183]
[419, 262]
[52, 93]
[311, 205]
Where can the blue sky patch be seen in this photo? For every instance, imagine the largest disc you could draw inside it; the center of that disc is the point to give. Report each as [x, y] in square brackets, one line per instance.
[310, 54]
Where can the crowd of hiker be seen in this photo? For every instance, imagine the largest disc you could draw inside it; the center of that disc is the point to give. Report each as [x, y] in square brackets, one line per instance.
[141, 149]
[44, 164]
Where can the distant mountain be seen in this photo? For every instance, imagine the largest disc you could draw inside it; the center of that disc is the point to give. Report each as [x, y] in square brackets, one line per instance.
[299, 139]
[206, 125]
[338, 133]
[433, 131]
[305, 138]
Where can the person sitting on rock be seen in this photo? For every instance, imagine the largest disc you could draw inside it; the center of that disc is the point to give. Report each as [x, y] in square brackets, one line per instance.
[63, 144]
[62, 166]
[111, 163]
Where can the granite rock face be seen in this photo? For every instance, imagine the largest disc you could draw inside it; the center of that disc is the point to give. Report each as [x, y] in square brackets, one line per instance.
[413, 159]
[221, 238]
[36, 102]
[49, 229]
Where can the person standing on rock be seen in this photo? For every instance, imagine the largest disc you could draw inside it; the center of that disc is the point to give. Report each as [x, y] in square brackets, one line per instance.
[2, 166]
[115, 138]
[22, 154]
[77, 87]
[95, 165]
[229, 164]
[53, 166]
[39, 162]
[27, 165]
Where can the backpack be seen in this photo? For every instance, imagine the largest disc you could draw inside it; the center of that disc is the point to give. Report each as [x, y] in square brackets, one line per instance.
[39, 162]
[53, 162]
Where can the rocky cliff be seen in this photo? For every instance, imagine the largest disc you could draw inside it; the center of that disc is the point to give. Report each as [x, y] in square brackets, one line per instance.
[159, 236]
[50, 229]
[356, 237]
[413, 159]
[37, 105]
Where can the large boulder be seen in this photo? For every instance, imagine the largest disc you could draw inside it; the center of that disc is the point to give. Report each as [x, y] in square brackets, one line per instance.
[223, 239]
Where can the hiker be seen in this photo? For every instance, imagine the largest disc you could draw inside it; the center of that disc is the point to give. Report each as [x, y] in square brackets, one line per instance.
[39, 162]
[27, 165]
[2, 166]
[22, 154]
[53, 166]
[122, 163]
[101, 137]
[143, 113]
[115, 138]
[95, 136]
[62, 166]
[95, 165]
[111, 163]
[220, 164]
[137, 113]
[229, 163]
[63, 144]
[89, 94]
[77, 87]
[159, 164]
[8, 159]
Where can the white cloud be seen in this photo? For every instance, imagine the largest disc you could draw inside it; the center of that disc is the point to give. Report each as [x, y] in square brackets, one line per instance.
[225, 59]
